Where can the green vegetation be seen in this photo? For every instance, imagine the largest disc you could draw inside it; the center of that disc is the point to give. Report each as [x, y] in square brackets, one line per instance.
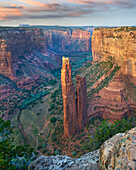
[31, 99]
[8, 152]
[106, 130]
[126, 29]
[74, 153]
[53, 120]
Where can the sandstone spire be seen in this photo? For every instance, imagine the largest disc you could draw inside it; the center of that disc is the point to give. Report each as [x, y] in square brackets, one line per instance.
[81, 92]
[75, 111]
[69, 101]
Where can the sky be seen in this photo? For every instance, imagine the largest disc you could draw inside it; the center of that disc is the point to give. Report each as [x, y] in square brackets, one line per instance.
[68, 12]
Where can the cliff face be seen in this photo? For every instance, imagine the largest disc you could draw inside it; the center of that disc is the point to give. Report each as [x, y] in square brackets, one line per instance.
[21, 40]
[119, 43]
[6, 67]
[19, 45]
[68, 40]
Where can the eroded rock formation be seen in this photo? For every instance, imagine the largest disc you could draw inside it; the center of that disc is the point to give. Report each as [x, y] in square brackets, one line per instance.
[68, 40]
[119, 43]
[75, 111]
[69, 100]
[81, 93]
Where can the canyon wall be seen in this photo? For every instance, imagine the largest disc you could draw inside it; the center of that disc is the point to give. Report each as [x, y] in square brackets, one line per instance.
[75, 110]
[119, 43]
[68, 40]
[32, 51]
[6, 67]
[18, 44]
[21, 40]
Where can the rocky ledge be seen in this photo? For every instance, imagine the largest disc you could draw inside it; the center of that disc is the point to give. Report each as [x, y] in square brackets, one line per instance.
[85, 162]
[118, 153]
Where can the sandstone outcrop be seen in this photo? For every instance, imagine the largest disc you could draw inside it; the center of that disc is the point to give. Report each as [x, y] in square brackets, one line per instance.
[68, 40]
[88, 161]
[119, 152]
[75, 110]
[69, 100]
[81, 93]
[119, 43]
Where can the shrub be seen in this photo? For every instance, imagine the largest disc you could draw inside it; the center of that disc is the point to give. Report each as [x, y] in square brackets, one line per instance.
[53, 120]
[74, 153]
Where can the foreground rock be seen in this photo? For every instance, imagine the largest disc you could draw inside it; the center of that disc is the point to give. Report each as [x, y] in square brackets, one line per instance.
[119, 152]
[88, 161]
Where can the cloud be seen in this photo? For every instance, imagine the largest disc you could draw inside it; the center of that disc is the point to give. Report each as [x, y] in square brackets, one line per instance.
[5, 12]
[60, 9]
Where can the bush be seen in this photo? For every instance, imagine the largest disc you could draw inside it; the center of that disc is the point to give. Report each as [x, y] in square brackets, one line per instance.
[53, 120]
[51, 108]
[106, 130]
[74, 153]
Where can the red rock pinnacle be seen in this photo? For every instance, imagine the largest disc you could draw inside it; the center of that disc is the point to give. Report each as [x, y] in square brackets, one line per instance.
[75, 113]
[69, 101]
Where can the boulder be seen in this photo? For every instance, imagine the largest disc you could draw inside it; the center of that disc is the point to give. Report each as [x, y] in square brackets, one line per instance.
[119, 152]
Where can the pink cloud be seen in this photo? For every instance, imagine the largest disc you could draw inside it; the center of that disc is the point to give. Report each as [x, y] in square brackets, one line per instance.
[5, 12]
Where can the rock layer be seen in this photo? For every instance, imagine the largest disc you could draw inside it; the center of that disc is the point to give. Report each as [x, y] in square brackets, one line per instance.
[119, 43]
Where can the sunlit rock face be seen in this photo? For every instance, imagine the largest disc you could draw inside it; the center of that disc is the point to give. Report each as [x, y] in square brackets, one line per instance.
[68, 40]
[119, 43]
[69, 101]
[81, 93]
[119, 152]
[75, 109]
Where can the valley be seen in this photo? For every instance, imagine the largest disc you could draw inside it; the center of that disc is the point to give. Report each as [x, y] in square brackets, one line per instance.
[31, 95]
